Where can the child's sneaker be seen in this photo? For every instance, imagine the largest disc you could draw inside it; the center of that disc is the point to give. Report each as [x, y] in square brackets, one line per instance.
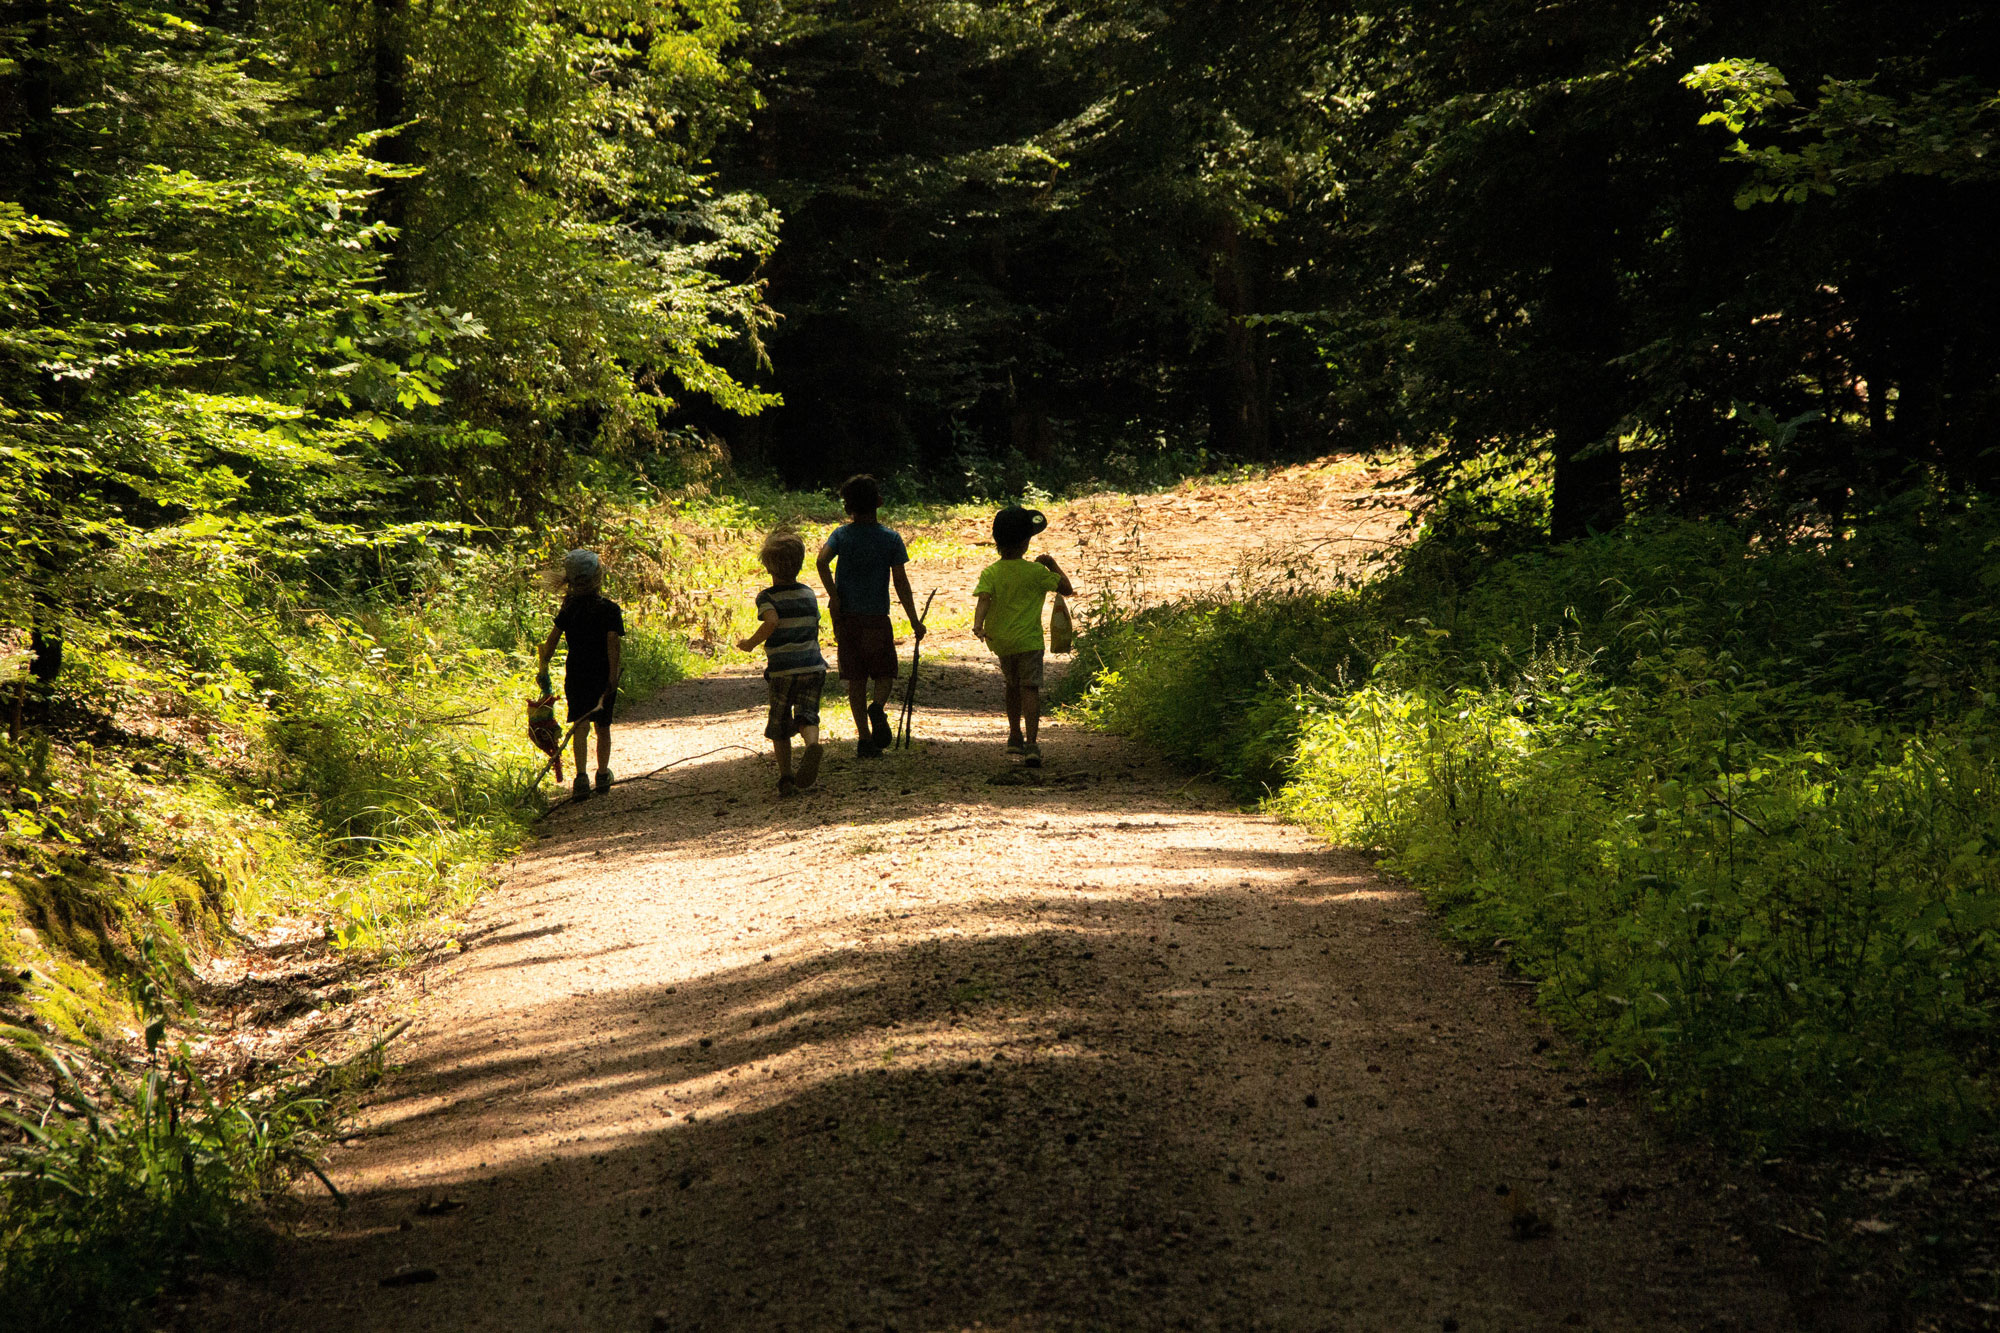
[787, 785]
[1031, 755]
[809, 766]
[878, 724]
[580, 789]
[603, 781]
[1015, 745]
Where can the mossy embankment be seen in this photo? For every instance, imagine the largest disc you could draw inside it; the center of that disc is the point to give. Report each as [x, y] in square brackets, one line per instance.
[327, 753]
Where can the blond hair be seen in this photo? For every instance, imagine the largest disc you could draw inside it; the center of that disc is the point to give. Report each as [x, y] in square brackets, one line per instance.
[783, 553]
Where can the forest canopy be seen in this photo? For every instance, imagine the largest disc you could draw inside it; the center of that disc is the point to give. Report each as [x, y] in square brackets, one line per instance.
[282, 268]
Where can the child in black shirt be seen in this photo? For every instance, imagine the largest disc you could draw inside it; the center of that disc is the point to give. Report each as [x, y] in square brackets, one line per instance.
[595, 626]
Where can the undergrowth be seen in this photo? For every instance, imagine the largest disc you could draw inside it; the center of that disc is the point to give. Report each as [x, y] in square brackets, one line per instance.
[1729, 799]
[113, 1194]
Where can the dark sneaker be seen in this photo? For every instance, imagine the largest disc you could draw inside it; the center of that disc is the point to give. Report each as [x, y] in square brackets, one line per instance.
[878, 723]
[580, 789]
[1031, 756]
[787, 785]
[867, 750]
[809, 765]
[1015, 745]
[603, 780]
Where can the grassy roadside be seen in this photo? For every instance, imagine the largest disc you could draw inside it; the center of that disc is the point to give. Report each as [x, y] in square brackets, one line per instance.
[1728, 799]
[334, 747]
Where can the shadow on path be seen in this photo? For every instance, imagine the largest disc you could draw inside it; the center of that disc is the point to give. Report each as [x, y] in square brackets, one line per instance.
[1065, 1121]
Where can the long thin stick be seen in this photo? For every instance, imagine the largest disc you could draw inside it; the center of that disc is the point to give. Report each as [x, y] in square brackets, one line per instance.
[910, 689]
[685, 759]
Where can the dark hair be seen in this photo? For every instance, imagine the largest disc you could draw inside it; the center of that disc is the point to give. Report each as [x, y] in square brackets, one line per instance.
[1013, 550]
[860, 495]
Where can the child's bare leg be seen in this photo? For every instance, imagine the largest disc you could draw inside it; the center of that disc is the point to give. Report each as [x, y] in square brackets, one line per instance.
[1031, 710]
[808, 773]
[1013, 710]
[782, 747]
[580, 742]
[603, 749]
[857, 703]
[883, 688]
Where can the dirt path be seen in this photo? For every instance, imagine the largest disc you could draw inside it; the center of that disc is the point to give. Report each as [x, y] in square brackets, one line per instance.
[924, 1051]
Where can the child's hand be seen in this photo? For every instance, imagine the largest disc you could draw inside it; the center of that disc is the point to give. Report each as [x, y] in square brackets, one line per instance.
[744, 645]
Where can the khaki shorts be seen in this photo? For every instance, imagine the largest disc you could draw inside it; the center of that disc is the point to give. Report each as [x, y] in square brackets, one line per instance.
[794, 704]
[1022, 669]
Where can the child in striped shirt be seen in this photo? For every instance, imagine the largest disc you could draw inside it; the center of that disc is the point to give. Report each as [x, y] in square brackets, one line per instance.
[794, 671]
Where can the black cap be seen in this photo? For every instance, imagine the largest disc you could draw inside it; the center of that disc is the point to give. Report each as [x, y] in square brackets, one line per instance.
[1014, 525]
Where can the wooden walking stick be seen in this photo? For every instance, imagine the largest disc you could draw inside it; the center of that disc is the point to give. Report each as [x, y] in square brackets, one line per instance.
[910, 689]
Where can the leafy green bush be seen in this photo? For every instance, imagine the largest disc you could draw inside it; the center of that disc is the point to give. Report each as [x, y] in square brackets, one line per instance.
[1729, 801]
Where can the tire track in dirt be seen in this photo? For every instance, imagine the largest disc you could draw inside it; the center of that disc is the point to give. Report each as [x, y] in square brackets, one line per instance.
[923, 1051]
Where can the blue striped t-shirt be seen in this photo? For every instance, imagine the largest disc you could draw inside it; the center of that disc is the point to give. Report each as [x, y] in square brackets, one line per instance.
[793, 648]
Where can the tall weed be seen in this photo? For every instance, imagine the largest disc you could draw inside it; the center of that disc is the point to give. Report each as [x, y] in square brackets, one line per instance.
[110, 1197]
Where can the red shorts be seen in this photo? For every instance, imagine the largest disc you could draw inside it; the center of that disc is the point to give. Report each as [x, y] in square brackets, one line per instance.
[864, 647]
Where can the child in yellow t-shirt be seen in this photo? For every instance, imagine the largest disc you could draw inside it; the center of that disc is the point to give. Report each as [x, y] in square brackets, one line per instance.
[1007, 613]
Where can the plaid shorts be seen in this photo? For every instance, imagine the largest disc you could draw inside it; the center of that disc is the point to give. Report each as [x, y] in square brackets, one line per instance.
[794, 704]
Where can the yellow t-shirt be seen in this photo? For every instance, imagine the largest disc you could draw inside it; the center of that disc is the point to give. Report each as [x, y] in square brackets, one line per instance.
[1018, 588]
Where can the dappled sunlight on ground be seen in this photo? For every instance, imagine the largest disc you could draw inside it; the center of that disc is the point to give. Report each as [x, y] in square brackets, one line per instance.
[1086, 1048]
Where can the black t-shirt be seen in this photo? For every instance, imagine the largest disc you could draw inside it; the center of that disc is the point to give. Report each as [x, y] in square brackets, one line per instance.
[585, 621]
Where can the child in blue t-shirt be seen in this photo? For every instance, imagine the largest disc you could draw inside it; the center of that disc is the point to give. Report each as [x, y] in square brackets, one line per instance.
[859, 561]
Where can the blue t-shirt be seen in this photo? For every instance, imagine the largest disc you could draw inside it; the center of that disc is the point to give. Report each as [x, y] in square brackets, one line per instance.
[863, 554]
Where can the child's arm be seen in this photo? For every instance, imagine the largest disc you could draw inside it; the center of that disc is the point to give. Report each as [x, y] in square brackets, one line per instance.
[1049, 562]
[547, 651]
[614, 649]
[768, 615]
[980, 606]
[909, 600]
[826, 577]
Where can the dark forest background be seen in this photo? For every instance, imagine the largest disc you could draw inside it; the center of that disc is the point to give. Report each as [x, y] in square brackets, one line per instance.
[1706, 259]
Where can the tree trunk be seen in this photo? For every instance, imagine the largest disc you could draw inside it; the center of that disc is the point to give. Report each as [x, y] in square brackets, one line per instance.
[1240, 408]
[33, 180]
[1584, 328]
[392, 108]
